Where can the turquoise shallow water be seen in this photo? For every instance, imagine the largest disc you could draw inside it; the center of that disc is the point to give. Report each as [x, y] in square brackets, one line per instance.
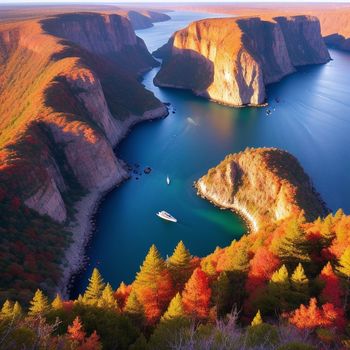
[312, 121]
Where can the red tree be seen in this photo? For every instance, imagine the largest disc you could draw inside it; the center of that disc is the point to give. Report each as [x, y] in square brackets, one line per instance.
[312, 316]
[262, 266]
[77, 336]
[91, 343]
[331, 292]
[76, 332]
[196, 295]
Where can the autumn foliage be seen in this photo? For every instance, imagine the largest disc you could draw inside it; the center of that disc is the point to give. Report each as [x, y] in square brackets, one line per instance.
[196, 295]
[312, 316]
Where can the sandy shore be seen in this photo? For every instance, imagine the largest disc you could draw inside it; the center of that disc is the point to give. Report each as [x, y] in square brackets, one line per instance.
[81, 228]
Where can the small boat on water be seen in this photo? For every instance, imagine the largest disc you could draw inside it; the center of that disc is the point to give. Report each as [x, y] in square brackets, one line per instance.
[166, 216]
[168, 180]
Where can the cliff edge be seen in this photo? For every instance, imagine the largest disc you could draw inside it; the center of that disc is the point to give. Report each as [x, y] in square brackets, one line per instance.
[264, 185]
[68, 94]
[230, 60]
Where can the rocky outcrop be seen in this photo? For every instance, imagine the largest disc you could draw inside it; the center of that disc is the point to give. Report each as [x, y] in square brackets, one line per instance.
[68, 94]
[264, 185]
[231, 60]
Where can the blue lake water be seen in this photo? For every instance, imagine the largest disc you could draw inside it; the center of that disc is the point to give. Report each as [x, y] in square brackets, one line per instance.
[312, 121]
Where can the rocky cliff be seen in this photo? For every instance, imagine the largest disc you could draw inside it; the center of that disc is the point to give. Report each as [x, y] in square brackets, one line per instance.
[264, 185]
[231, 60]
[68, 94]
[334, 17]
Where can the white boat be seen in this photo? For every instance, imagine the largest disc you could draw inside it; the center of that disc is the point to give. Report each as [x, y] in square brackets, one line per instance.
[166, 216]
[168, 180]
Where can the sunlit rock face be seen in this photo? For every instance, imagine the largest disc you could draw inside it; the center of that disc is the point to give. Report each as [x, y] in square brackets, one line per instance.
[68, 95]
[230, 60]
[264, 185]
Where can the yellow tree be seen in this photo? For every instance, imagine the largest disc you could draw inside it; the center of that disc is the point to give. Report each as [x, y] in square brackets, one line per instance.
[133, 308]
[281, 277]
[257, 319]
[6, 310]
[153, 285]
[17, 310]
[175, 309]
[95, 288]
[39, 304]
[299, 280]
[180, 265]
[107, 298]
[57, 303]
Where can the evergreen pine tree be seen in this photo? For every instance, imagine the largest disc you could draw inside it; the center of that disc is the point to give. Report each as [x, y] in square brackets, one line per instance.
[293, 247]
[238, 256]
[57, 303]
[175, 309]
[180, 265]
[327, 230]
[95, 288]
[281, 276]
[17, 310]
[39, 304]
[107, 299]
[299, 280]
[153, 285]
[257, 320]
[133, 308]
[6, 310]
[208, 268]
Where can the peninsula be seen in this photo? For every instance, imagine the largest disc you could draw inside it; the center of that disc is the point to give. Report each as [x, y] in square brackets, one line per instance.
[264, 185]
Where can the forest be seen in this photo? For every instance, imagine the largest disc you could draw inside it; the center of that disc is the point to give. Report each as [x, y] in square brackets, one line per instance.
[284, 287]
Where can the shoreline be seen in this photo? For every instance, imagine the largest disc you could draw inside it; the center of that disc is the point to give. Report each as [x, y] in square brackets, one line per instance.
[81, 227]
[251, 223]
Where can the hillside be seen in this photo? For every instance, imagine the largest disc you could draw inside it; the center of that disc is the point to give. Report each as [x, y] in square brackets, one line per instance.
[230, 60]
[265, 185]
[68, 94]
